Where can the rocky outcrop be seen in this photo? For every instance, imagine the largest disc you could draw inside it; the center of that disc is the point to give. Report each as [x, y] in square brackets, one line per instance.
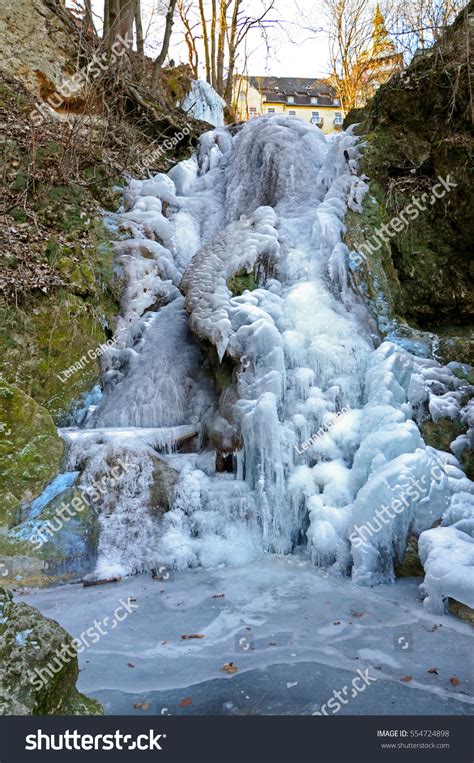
[417, 131]
[38, 665]
[34, 43]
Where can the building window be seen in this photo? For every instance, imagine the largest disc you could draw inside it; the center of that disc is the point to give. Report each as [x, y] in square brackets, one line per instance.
[314, 99]
[270, 111]
[253, 111]
[292, 113]
[291, 99]
[338, 118]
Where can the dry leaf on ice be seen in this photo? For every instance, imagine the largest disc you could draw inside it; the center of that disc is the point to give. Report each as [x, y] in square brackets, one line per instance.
[229, 667]
[192, 635]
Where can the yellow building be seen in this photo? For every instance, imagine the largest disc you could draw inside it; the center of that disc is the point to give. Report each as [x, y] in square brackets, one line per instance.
[311, 100]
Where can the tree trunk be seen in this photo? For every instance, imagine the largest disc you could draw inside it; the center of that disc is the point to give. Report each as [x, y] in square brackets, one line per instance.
[139, 33]
[126, 18]
[213, 43]
[88, 20]
[205, 38]
[232, 53]
[166, 43]
[219, 86]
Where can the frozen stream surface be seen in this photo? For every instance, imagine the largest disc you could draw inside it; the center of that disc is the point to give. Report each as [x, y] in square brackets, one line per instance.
[305, 635]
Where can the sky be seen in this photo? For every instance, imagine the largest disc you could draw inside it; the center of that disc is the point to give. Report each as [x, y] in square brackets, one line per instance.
[296, 51]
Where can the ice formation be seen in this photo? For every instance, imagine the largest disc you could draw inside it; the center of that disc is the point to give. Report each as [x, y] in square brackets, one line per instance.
[261, 376]
[204, 103]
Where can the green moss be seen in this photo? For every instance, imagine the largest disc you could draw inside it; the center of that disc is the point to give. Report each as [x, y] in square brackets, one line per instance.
[467, 461]
[80, 704]
[440, 434]
[456, 343]
[410, 145]
[38, 344]
[19, 215]
[20, 182]
[30, 448]
[241, 281]
[375, 275]
[410, 566]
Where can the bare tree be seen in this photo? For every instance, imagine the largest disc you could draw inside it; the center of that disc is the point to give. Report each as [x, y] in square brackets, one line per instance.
[240, 25]
[350, 32]
[139, 33]
[418, 24]
[165, 44]
[190, 36]
[224, 26]
[117, 20]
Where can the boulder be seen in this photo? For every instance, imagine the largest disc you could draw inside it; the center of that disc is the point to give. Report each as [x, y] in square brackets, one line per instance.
[38, 664]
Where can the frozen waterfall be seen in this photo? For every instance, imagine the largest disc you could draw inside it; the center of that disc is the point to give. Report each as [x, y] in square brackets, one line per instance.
[238, 319]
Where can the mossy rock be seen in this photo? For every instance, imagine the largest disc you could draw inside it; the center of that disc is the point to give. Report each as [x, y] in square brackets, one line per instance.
[461, 610]
[30, 449]
[410, 566]
[467, 462]
[414, 136]
[458, 347]
[38, 664]
[55, 330]
[39, 346]
[57, 546]
[164, 480]
[71, 550]
[20, 564]
[440, 434]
